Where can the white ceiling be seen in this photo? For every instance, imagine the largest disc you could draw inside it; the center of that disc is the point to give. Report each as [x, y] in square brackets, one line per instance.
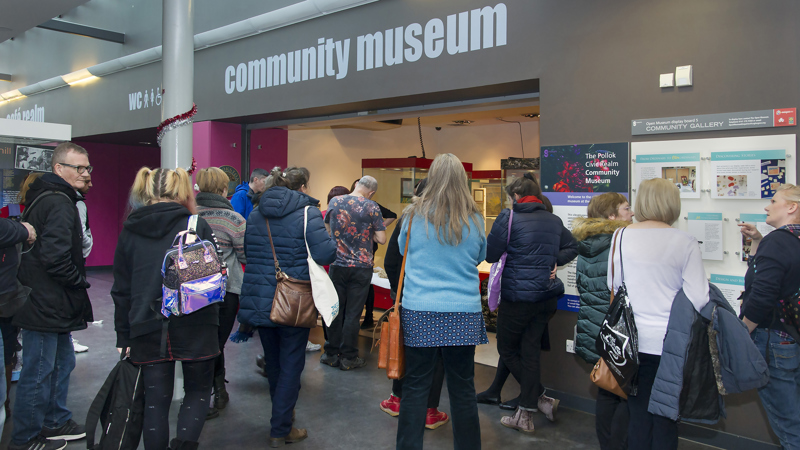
[18, 16]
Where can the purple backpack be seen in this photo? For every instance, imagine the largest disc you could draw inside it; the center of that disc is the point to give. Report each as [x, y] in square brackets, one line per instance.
[496, 272]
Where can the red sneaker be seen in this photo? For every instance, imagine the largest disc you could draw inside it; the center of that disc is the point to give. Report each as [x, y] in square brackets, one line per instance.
[391, 406]
[435, 419]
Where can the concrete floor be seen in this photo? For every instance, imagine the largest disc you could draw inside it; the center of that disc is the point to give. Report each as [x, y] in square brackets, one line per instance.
[339, 409]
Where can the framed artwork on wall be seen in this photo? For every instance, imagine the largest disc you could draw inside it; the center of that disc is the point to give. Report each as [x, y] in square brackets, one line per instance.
[478, 195]
[406, 188]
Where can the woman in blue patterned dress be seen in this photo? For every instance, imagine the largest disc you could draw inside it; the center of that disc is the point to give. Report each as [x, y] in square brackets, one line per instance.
[441, 301]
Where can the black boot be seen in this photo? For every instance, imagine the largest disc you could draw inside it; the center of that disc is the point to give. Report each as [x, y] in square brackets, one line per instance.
[178, 444]
[221, 396]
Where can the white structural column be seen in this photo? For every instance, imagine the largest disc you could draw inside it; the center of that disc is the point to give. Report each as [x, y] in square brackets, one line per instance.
[178, 80]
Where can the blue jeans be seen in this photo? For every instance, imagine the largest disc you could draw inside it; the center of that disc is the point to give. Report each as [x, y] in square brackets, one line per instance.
[781, 395]
[284, 358]
[459, 368]
[47, 361]
[2, 388]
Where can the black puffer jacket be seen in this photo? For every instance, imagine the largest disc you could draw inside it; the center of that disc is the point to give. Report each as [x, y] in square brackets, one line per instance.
[11, 234]
[54, 267]
[538, 241]
[146, 236]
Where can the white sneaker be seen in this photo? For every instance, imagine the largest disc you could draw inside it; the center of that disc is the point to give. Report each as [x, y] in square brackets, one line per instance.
[312, 347]
[78, 347]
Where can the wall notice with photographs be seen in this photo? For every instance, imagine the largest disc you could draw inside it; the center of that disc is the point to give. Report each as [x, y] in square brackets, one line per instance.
[12, 177]
[729, 180]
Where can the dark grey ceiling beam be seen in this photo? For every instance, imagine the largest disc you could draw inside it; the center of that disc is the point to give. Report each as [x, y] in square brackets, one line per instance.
[83, 30]
[5, 77]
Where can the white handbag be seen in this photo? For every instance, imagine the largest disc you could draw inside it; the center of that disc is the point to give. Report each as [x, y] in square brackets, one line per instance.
[325, 297]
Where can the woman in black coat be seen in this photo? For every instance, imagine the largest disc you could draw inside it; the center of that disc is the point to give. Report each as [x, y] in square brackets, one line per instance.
[538, 242]
[162, 202]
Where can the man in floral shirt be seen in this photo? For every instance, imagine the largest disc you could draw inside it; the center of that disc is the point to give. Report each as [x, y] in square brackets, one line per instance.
[355, 222]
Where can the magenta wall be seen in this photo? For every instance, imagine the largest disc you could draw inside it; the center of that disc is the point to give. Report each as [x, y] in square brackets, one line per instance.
[115, 167]
[274, 149]
[213, 145]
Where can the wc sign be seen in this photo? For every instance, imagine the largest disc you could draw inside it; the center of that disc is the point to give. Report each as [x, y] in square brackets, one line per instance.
[144, 99]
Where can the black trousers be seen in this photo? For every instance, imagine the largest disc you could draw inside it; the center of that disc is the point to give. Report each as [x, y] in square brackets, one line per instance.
[520, 327]
[459, 367]
[648, 431]
[370, 304]
[227, 317]
[159, 381]
[352, 285]
[611, 421]
[436, 384]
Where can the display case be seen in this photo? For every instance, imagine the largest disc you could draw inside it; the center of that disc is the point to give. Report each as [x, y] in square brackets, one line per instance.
[512, 168]
[396, 180]
[487, 191]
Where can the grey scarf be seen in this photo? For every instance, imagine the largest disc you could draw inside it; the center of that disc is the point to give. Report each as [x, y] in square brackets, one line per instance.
[210, 200]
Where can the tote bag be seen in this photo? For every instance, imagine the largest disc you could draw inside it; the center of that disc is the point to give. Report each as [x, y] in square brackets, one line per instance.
[496, 272]
[618, 340]
[325, 297]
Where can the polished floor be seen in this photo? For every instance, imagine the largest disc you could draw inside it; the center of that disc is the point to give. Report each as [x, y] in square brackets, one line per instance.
[339, 409]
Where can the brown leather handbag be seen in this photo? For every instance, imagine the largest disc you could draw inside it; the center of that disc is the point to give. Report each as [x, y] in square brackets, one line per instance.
[391, 355]
[293, 304]
[601, 375]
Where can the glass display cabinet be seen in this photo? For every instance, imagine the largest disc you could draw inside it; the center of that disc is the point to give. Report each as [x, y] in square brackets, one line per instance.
[487, 190]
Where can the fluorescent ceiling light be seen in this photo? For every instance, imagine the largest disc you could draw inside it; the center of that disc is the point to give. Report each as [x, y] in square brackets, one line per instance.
[12, 95]
[79, 76]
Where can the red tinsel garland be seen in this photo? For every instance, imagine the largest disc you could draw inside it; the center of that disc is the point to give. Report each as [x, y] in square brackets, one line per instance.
[193, 168]
[175, 122]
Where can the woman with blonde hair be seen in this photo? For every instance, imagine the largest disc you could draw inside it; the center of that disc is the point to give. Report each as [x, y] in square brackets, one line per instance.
[229, 227]
[773, 277]
[162, 203]
[655, 261]
[441, 302]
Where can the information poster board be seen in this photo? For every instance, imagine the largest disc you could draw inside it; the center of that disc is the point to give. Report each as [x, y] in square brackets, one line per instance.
[571, 175]
[678, 168]
[707, 229]
[731, 286]
[747, 174]
[713, 214]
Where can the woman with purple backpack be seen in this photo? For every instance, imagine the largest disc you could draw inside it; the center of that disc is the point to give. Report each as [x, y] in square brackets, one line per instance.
[538, 241]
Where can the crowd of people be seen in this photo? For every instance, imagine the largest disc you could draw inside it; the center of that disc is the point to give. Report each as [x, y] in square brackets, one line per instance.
[271, 224]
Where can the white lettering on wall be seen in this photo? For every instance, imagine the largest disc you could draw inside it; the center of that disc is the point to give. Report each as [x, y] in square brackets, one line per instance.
[145, 99]
[35, 114]
[467, 31]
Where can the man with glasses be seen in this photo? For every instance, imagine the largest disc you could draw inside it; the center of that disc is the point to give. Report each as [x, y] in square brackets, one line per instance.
[58, 304]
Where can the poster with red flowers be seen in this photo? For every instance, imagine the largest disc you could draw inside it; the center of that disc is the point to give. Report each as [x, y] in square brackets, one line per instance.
[584, 169]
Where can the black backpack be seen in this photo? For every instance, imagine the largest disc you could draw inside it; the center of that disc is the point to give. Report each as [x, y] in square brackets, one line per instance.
[119, 407]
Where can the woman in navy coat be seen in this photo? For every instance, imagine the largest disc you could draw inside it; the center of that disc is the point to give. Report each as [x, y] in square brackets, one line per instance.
[283, 204]
[529, 296]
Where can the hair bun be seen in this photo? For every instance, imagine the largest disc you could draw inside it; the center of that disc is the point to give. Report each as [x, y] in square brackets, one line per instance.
[529, 176]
